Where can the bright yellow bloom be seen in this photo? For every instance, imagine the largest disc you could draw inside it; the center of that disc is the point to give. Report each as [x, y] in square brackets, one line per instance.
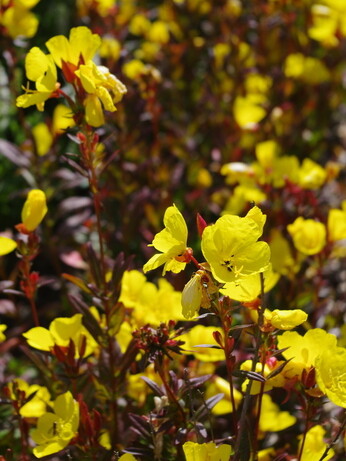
[230, 246]
[40, 69]
[127, 457]
[102, 87]
[331, 374]
[61, 331]
[147, 299]
[337, 224]
[314, 445]
[6, 245]
[272, 419]
[55, 430]
[172, 242]
[304, 350]
[79, 48]
[206, 451]
[18, 20]
[199, 335]
[309, 236]
[36, 405]
[311, 175]
[221, 386]
[306, 68]
[34, 209]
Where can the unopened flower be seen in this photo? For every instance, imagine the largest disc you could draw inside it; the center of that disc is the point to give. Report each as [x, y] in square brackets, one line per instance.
[34, 210]
[283, 319]
[172, 242]
[309, 236]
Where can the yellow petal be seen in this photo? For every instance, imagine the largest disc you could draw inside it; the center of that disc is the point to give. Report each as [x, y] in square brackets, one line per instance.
[7, 245]
[39, 338]
[34, 209]
[36, 64]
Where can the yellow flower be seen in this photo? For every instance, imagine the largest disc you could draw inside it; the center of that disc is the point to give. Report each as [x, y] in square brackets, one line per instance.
[40, 69]
[61, 331]
[337, 224]
[206, 451]
[272, 419]
[18, 20]
[309, 236]
[55, 430]
[230, 246]
[79, 48]
[306, 68]
[221, 386]
[331, 378]
[34, 210]
[172, 242]
[304, 350]
[6, 245]
[199, 335]
[147, 299]
[311, 175]
[37, 404]
[102, 87]
[314, 445]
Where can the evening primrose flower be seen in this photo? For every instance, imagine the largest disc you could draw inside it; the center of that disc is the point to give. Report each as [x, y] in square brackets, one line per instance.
[230, 246]
[34, 210]
[202, 335]
[309, 236]
[206, 451]
[103, 89]
[302, 351]
[54, 431]
[18, 19]
[221, 386]
[79, 48]
[146, 299]
[330, 374]
[61, 331]
[314, 445]
[37, 404]
[272, 419]
[172, 242]
[39, 68]
[337, 224]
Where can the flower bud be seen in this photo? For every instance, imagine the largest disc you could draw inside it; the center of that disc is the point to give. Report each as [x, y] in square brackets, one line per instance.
[34, 210]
